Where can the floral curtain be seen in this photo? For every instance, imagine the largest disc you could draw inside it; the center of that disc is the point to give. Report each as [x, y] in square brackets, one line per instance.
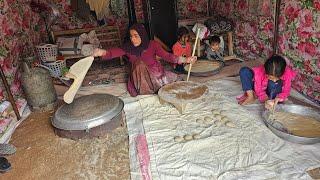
[299, 33]
[300, 42]
[253, 23]
[191, 8]
[20, 29]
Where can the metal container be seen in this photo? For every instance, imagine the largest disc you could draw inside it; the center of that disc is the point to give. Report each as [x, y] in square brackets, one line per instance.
[88, 116]
[296, 109]
[38, 88]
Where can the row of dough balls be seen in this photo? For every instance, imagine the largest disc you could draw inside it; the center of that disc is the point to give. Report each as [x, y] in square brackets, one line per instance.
[187, 137]
[220, 119]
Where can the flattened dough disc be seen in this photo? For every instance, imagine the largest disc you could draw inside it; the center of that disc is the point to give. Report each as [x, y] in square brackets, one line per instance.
[182, 92]
[79, 70]
[204, 68]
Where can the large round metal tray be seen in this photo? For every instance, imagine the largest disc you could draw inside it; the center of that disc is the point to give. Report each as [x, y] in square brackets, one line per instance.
[88, 112]
[296, 109]
[204, 68]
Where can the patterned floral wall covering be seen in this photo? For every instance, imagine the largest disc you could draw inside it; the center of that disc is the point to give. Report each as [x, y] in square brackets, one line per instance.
[139, 10]
[67, 20]
[253, 24]
[300, 42]
[186, 9]
[191, 8]
[299, 35]
[119, 16]
[22, 29]
[19, 32]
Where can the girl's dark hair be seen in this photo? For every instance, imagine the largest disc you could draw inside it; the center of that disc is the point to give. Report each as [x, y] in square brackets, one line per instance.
[214, 39]
[275, 66]
[182, 31]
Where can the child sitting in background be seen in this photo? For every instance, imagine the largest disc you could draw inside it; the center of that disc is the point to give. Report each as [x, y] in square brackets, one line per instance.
[182, 47]
[214, 50]
[270, 82]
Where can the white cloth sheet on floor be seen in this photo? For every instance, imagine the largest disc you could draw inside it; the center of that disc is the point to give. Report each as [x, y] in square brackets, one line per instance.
[248, 151]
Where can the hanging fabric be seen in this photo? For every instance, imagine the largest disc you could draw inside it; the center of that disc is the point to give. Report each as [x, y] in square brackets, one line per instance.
[101, 7]
[118, 7]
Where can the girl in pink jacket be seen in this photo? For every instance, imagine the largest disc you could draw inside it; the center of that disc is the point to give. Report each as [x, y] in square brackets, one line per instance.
[270, 82]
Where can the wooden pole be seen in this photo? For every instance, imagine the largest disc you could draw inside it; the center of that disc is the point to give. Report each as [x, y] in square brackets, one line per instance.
[276, 27]
[230, 43]
[193, 52]
[11, 99]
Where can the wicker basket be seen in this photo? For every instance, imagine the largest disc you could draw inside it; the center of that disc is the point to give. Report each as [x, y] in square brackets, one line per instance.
[55, 68]
[47, 52]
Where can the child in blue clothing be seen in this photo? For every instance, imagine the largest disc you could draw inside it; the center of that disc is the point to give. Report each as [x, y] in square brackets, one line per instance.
[214, 50]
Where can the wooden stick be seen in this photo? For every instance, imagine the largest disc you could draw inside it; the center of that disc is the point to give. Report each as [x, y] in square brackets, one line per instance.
[11, 99]
[230, 43]
[193, 52]
[276, 29]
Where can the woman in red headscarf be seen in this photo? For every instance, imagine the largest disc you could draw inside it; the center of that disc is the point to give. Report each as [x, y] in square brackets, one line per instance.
[147, 75]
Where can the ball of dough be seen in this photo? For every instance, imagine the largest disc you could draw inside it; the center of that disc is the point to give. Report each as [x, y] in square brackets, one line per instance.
[200, 121]
[196, 136]
[215, 111]
[187, 137]
[207, 119]
[224, 119]
[230, 124]
[218, 116]
[178, 139]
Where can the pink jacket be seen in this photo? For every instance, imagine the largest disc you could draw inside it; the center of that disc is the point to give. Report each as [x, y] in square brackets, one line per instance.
[261, 82]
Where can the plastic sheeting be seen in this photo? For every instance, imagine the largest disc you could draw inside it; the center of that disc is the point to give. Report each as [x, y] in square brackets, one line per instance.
[248, 151]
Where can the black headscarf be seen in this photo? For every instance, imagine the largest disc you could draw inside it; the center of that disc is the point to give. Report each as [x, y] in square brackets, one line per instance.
[130, 48]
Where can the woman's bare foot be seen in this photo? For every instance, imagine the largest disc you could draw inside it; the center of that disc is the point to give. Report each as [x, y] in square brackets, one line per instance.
[250, 98]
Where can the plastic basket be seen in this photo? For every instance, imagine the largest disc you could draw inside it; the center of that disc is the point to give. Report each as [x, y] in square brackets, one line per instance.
[55, 68]
[47, 52]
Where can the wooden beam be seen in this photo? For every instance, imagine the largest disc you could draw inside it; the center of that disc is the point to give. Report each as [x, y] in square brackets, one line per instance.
[11, 99]
[276, 27]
